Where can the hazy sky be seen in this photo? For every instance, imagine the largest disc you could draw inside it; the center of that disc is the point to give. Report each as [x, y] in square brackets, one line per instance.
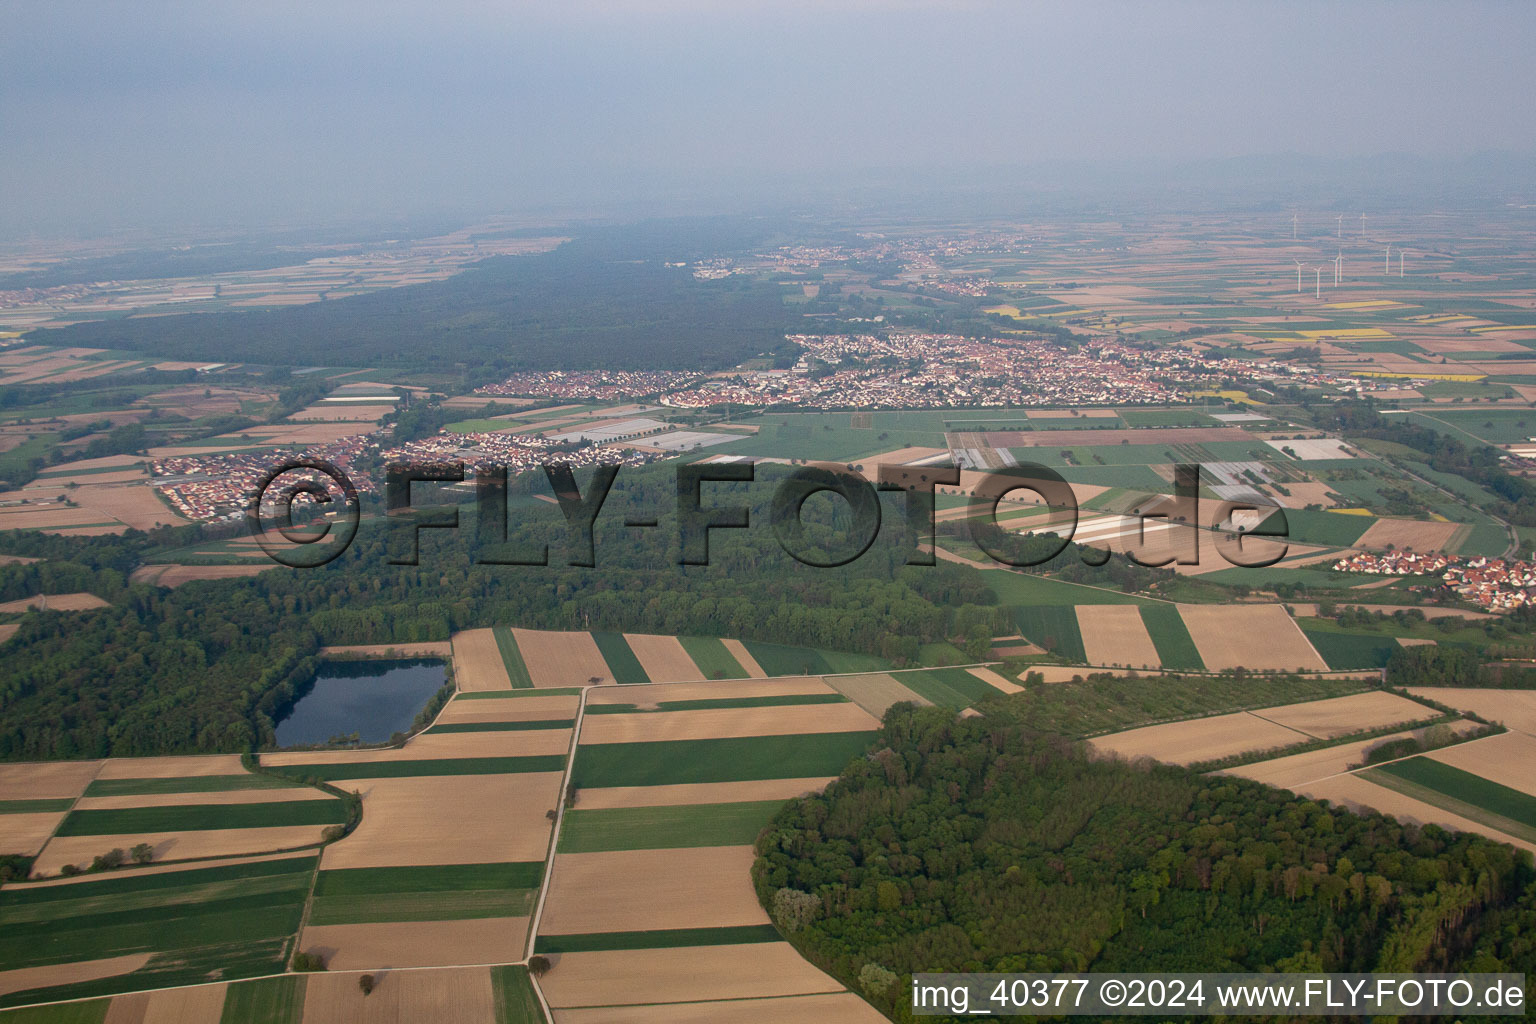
[263, 111]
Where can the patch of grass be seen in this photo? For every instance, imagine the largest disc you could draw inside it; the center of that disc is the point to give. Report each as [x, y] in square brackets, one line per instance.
[733, 759]
[1328, 529]
[1175, 647]
[342, 770]
[525, 726]
[1053, 627]
[265, 1001]
[661, 939]
[34, 806]
[189, 784]
[514, 996]
[626, 668]
[512, 658]
[1021, 588]
[712, 657]
[704, 703]
[657, 828]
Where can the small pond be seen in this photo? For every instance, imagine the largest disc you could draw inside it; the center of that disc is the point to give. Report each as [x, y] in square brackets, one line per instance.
[374, 699]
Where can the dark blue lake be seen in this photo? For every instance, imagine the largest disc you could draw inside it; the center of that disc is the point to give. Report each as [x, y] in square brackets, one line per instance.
[374, 699]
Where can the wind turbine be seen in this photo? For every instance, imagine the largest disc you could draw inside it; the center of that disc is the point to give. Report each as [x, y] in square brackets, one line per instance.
[1362, 225]
[1399, 263]
[1338, 268]
[1387, 267]
[1298, 274]
[1341, 225]
[1319, 291]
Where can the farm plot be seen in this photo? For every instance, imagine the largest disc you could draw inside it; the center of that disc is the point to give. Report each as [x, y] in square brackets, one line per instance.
[246, 916]
[46, 780]
[558, 710]
[1516, 709]
[703, 887]
[1054, 627]
[782, 660]
[874, 691]
[663, 658]
[593, 830]
[660, 695]
[1256, 636]
[743, 657]
[1200, 739]
[1340, 716]
[55, 975]
[425, 893]
[955, 688]
[843, 1007]
[713, 659]
[1114, 634]
[561, 659]
[458, 819]
[457, 996]
[1508, 759]
[194, 1005]
[54, 603]
[743, 759]
[723, 723]
[1297, 771]
[1176, 650]
[490, 940]
[1509, 810]
[689, 974]
[477, 662]
[623, 666]
[1412, 535]
[674, 796]
[1358, 792]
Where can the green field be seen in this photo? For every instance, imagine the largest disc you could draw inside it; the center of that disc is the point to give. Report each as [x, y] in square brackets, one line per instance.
[1021, 588]
[515, 999]
[1329, 529]
[188, 784]
[658, 828]
[951, 687]
[512, 658]
[1053, 627]
[34, 806]
[1352, 650]
[450, 892]
[735, 759]
[1464, 788]
[549, 691]
[340, 770]
[782, 660]
[672, 938]
[626, 668]
[236, 920]
[1175, 647]
[265, 1001]
[704, 703]
[200, 817]
[712, 657]
[90, 1012]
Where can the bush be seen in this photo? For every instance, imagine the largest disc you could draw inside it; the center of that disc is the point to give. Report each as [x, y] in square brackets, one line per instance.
[793, 909]
[876, 980]
[538, 966]
[365, 982]
[142, 853]
[308, 962]
[331, 833]
[109, 861]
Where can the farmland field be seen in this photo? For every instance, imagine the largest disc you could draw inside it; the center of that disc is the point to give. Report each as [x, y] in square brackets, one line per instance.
[622, 663]
[645, 828]
[247, 914]
[1175, 649]
[738, 759]
[713, 658]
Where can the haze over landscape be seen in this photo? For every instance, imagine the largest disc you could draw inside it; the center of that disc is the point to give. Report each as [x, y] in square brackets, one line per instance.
[679, 512]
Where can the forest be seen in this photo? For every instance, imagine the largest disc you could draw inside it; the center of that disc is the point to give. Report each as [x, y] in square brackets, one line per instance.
[987, 844]
[606, 300]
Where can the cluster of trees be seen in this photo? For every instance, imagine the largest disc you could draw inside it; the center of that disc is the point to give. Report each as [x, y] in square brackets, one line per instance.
[985, 845]
[1446, 665]
[607, 299]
